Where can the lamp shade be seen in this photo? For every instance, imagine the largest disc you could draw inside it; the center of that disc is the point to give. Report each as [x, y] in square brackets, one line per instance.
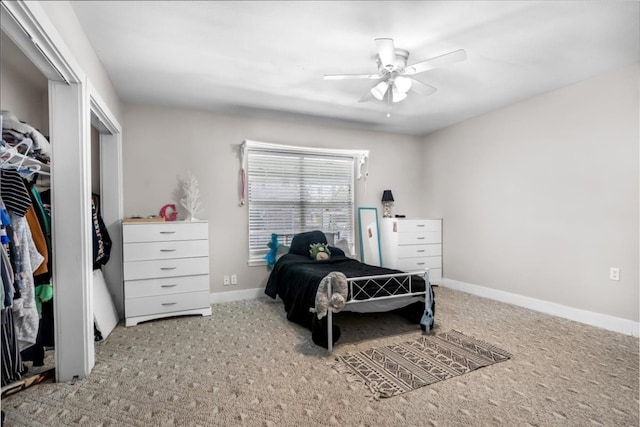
[397, 95]
[402, 84]
[387, 196]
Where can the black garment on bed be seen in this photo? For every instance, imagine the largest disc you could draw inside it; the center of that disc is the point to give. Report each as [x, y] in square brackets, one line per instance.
[295, 279]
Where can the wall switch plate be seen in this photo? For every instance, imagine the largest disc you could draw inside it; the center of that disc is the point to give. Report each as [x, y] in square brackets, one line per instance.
[225, 280]
[234, 279]
[614, 273]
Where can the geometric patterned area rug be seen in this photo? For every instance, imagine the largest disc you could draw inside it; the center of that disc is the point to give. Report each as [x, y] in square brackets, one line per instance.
[398, 368]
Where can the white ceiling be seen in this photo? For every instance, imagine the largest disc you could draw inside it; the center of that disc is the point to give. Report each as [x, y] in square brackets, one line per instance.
[268, 58]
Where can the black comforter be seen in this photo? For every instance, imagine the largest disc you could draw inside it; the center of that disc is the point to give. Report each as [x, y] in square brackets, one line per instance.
[295, 279]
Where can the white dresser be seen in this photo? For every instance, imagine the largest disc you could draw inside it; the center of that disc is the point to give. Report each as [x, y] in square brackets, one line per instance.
[166, 269]
[412, 244]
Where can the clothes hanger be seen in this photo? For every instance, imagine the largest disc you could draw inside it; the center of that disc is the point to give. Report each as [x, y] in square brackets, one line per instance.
[13, 159]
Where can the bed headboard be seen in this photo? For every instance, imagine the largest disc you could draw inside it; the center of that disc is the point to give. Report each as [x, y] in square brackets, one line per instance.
[331, 236]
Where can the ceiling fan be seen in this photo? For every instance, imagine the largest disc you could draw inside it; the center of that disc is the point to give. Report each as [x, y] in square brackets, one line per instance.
[394, 76]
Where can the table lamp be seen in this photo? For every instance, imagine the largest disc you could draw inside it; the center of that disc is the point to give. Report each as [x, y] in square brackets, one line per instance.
[387, 199]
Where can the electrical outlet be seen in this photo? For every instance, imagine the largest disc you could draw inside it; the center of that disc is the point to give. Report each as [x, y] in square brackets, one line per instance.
[234, 279]
[225, 280]
[614, 273]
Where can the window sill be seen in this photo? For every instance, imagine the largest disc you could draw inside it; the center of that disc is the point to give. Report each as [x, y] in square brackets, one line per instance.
[256, 262]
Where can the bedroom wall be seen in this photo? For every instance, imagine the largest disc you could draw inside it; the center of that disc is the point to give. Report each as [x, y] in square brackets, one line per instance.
[540, 199]
[161, 145]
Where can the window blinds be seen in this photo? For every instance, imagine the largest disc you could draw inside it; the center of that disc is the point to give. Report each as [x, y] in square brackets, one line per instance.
[291, 192]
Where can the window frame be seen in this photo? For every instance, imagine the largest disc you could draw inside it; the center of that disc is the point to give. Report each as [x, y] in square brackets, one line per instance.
[357, 157]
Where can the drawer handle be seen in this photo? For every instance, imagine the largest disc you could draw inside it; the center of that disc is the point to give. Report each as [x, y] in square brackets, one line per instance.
[167, 232]
[167, 268]
[420, 251]
[420, 263]
[169, 286]
[420, 238]
[419, 225]
[167, 304]
[167, 250]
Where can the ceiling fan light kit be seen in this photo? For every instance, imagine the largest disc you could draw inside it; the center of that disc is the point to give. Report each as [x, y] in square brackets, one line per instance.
[397, 96]
[393, 78]
[379, 90]
[402, 83]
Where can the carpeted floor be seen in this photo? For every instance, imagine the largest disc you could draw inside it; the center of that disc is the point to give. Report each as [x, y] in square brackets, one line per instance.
[246, 365]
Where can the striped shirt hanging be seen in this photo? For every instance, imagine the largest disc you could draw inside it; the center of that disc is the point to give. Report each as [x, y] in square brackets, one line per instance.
[14, 193]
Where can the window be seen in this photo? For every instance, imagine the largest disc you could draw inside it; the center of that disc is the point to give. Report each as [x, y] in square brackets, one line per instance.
[291, 190]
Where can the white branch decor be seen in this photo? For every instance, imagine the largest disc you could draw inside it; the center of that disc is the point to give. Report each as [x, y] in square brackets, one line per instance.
[190, 201]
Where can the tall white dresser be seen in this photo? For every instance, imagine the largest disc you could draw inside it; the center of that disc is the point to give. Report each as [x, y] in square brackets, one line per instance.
[412, 244]
[166, 269]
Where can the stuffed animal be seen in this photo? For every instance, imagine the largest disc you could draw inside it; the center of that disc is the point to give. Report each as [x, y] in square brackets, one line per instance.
[273, 249]
[319, 251]
[339, 293]
[276, 250]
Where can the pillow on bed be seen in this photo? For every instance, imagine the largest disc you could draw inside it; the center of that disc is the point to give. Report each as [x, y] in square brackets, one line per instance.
[302, 241]
[336, 251]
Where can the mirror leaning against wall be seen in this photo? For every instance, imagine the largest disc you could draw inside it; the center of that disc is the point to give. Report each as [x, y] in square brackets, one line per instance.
[369, 236]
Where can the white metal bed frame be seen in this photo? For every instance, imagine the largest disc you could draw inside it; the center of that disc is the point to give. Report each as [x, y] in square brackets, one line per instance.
[357, 287]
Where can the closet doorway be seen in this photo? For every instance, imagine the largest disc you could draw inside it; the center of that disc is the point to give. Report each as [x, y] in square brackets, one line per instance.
[72, 103]
[107, 140]
[27, 305]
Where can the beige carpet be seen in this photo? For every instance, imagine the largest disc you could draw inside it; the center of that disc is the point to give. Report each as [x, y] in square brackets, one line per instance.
[246, 365]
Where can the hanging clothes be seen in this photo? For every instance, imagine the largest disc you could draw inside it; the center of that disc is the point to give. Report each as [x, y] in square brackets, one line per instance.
[14, 193]
[44, 289]
[7, 270]
[12, 367]
[44, 217]
[38, 240]
[25, 311]
[25, 234]
[101, 239]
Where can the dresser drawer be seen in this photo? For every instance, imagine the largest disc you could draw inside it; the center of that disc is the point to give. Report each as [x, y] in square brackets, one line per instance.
[165, 250]
[166, 303]
[165, 286]
[419, 225]
[419, 238]
[410, 264]
[413, 251]
[134, 270]
[165, 231]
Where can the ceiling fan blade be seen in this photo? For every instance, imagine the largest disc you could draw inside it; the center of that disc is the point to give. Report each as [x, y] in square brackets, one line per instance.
[438, 61]
[386, 51]
[422, 88]
[351, 76]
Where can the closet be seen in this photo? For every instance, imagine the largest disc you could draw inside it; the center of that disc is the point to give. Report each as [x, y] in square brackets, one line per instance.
[25, 153]
[67, 112]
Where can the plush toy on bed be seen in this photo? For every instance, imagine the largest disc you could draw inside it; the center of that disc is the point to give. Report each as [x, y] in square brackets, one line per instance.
[319, 251]
[276, 250]
[339, 293]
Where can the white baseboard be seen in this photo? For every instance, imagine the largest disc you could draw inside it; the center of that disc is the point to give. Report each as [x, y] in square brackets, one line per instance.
[230, 296]
[611, 323]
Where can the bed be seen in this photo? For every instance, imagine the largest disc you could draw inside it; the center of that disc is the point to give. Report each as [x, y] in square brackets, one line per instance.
[296, 278]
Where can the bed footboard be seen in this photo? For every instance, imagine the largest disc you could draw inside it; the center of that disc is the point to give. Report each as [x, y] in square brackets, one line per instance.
[384, 287]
